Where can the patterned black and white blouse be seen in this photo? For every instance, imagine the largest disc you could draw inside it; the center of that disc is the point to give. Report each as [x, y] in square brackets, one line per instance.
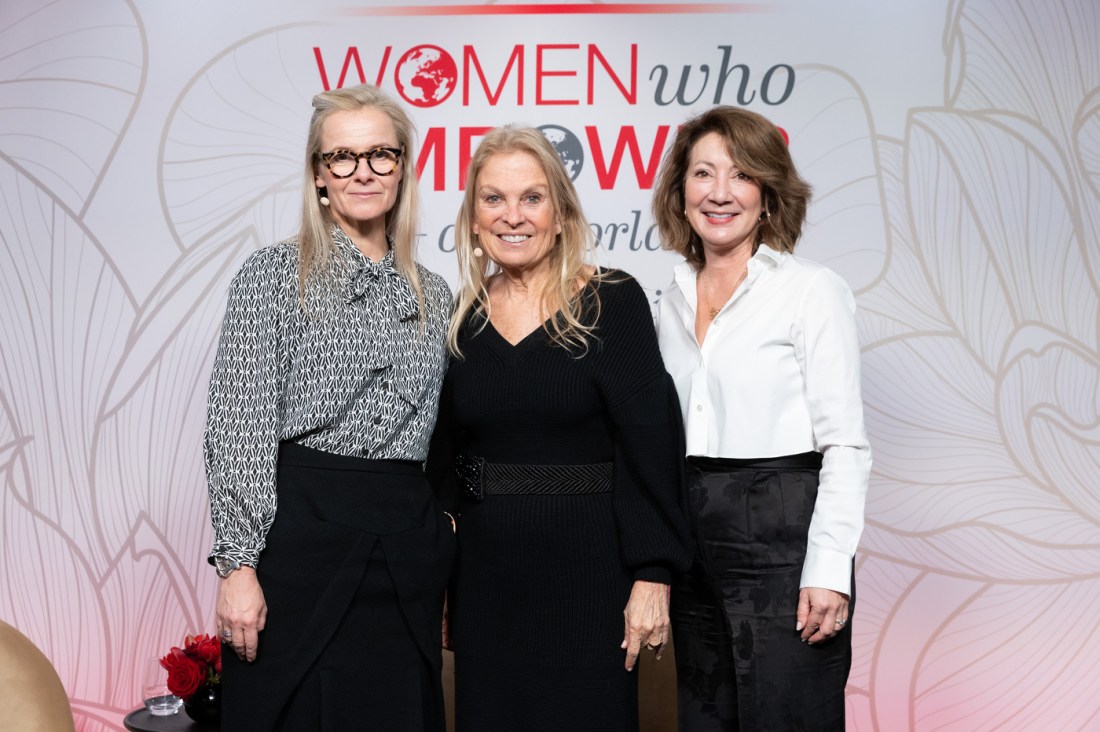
[353, 374]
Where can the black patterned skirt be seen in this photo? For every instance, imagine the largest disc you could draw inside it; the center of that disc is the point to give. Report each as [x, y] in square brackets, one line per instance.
[740, 663]
[353, 574]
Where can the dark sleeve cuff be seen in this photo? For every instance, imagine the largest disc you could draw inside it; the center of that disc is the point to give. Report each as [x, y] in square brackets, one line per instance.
[654, 573]
[245, 557]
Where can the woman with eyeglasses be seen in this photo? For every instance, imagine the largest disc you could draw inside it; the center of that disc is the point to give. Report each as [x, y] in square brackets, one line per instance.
[332, 552]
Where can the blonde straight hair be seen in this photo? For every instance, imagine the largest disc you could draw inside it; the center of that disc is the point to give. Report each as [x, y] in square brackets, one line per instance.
[562, 295]
[315, 245]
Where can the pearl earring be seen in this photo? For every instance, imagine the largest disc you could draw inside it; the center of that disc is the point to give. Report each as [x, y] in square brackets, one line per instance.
[324, 201]
[479, 252]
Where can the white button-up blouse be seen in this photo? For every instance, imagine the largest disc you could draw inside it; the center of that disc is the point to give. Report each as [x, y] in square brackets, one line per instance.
[778, 373]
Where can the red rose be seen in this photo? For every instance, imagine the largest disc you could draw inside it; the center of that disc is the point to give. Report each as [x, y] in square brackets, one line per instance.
[205, 649]
[185, 674]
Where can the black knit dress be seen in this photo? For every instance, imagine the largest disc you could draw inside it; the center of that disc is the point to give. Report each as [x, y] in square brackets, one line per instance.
[536, 607]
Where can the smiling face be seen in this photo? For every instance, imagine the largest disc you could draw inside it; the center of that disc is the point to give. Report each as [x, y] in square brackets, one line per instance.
[723, 204]
[360, 202]
[515, 220]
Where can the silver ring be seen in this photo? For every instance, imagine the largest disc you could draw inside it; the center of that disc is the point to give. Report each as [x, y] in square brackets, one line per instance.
[227, 634]
[840, 623]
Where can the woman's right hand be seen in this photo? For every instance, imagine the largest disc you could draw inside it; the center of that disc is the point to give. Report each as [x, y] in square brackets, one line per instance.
[446, 626]
[241, 609]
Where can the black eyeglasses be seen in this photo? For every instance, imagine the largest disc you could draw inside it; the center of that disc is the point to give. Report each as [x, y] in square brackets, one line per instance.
[381, 160]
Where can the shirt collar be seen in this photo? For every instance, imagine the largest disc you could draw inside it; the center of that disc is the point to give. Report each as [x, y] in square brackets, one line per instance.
[683, 274]
[766, 255]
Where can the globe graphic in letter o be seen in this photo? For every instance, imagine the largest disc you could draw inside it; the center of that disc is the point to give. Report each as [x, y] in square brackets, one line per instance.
[426, 76]
[568, 148]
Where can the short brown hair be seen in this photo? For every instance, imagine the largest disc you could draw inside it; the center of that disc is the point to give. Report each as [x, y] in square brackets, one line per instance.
[758, 148]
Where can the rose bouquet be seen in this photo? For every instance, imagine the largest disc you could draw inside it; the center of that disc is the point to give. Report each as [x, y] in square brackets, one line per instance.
[197, 664]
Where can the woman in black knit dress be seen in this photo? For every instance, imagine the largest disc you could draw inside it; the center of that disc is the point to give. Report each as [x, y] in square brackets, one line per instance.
[560, 433]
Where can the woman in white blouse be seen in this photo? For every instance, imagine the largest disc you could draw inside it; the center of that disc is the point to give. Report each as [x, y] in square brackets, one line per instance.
[763, 348]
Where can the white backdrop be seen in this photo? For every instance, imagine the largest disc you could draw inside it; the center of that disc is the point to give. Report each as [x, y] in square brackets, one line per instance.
[147, 147]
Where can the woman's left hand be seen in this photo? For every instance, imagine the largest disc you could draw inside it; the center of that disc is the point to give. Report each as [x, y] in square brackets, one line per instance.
[821, 613]
[646, 620]
[446, 626]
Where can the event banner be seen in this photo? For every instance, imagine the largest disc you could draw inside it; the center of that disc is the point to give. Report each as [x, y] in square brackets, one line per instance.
[148, 147]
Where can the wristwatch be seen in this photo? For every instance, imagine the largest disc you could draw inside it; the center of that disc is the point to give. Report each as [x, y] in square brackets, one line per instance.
[226, 566]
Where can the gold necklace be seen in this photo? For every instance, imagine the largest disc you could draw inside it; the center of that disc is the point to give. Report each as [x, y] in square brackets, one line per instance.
[711, 310]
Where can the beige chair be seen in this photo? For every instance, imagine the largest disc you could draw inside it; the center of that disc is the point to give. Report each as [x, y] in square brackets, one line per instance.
[32, 698]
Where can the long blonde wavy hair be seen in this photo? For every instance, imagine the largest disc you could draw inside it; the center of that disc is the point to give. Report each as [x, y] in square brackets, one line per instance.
[562, 294]
[315, 246]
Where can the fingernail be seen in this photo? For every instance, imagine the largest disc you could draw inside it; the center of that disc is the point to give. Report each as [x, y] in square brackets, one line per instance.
[798, 626]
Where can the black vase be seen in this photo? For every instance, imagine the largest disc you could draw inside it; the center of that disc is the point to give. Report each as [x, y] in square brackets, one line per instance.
[205, 705]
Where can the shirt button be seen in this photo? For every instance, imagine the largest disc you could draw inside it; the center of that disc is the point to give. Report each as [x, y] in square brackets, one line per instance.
[698, 407]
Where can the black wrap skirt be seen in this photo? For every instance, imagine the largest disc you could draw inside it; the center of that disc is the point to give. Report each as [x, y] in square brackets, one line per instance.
[353, 573]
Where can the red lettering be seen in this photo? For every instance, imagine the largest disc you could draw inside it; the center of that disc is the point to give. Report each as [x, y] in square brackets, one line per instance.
[435, 141]
[351, 56]
[321, 68]
[595, 55]
[466, 136]
[540, 72]
[469, 58]
[607, 174]
[382, 66]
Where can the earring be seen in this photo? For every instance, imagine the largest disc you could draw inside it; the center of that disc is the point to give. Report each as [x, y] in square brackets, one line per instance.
[479, 252]
[323, 200]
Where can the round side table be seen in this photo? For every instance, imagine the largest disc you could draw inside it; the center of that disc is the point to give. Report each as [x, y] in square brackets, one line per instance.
[140, 720]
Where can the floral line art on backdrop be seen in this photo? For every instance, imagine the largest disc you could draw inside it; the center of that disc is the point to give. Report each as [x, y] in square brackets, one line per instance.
[979, 317]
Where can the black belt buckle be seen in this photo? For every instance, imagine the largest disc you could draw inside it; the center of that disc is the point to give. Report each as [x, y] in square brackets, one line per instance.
[469, 471]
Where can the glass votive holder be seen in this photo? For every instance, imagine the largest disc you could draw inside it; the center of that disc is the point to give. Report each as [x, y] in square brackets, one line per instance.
[154, 690]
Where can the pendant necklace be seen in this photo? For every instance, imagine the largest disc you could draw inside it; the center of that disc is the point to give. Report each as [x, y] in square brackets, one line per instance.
[705, 281]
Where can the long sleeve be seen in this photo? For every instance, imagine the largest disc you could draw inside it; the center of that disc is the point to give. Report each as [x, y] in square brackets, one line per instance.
[440, 464]
[242, 425]
[827, 349]
[649, 492]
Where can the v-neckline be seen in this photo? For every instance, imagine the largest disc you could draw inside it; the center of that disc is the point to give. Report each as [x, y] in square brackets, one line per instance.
[540, 328]
[525, 342]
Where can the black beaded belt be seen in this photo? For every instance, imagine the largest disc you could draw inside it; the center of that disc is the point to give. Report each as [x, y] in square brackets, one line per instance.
[477, 478]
